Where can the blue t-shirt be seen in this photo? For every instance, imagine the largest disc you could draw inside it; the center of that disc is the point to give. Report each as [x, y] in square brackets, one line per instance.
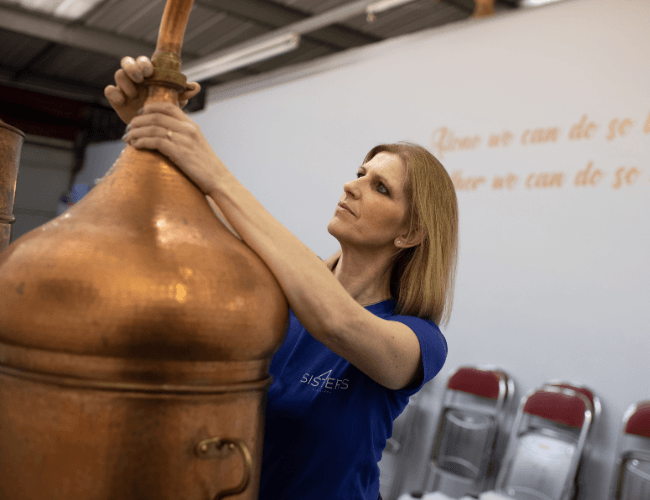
[327, 422]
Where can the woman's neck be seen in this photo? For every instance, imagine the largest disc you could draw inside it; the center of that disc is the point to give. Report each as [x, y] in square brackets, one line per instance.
[365, 275]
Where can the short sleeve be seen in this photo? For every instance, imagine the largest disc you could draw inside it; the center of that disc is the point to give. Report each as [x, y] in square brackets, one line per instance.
[433, 346]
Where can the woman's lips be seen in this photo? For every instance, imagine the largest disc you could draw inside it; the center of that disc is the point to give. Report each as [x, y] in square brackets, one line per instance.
[345, 207]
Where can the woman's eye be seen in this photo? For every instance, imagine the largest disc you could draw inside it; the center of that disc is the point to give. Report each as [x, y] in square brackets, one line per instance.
[359, 174]
[382, 189]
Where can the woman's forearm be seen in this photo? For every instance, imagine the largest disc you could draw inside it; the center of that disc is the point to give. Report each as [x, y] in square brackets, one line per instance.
[314, 294]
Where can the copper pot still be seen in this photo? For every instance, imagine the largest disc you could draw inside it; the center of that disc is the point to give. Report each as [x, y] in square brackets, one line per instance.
[11, 143]
[136, 332]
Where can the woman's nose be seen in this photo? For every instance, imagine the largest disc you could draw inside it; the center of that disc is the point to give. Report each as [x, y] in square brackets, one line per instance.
[351, 188]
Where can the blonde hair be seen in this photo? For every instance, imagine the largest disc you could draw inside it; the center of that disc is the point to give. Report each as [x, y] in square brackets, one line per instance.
[423, 276]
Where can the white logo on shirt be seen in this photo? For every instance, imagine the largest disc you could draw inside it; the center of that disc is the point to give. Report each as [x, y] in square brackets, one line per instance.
[325, 382]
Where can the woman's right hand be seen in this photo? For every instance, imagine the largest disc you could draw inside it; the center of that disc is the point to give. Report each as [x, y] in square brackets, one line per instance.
[128, 94]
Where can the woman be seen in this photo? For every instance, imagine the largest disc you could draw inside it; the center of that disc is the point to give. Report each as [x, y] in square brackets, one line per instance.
[363, 332]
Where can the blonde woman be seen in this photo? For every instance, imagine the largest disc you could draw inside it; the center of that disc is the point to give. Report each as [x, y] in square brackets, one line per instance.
[363, 333]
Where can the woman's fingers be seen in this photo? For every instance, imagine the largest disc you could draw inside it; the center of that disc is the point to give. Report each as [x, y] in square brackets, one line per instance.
[188, 94]
[150, 131]
[132, 69]
[157, 120]
[114, 95]
[161, 108]
[145, 65]
[125, 84]
[185, 96]
[162, 126]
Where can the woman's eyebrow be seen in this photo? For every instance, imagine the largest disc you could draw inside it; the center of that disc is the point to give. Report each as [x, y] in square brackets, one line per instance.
[384, 180]
[378, 176]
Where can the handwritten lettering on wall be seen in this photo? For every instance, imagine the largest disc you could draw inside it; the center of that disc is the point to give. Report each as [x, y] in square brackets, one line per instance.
[446, 142]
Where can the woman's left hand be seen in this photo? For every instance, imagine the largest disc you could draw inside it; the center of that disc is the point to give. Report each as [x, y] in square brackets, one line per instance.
[165, 128]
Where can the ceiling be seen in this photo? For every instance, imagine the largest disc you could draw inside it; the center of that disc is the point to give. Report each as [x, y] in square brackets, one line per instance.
[53, 72]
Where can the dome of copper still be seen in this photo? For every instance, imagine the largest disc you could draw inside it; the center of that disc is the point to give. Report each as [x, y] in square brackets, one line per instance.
[136, 333]
[11, 142]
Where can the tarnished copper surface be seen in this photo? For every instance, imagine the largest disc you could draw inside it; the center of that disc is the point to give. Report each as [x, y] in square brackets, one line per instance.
[134, 329]
[11, 142]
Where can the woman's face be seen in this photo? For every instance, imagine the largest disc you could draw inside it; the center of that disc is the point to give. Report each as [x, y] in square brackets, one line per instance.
[372, 210]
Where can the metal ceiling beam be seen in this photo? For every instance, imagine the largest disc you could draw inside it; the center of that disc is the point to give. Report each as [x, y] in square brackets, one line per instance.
[70, 34]
[310, 25]
[278, 16]
[459, 6]
[49, 85]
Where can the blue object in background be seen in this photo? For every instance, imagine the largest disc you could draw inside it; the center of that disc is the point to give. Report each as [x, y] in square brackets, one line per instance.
[79, 191]
[67, 199]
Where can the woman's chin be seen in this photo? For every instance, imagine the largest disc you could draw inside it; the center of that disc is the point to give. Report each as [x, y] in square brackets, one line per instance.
[335, 229]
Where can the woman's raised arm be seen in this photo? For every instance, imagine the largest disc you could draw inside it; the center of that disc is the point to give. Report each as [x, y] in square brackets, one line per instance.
[386, 351]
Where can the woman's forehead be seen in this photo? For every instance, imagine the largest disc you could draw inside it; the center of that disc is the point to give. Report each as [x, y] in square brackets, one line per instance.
[388, 165]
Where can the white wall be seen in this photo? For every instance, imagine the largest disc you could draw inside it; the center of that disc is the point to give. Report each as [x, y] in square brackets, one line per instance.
[554, 282]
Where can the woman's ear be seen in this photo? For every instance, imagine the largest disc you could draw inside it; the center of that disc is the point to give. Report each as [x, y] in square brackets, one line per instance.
[410, 239]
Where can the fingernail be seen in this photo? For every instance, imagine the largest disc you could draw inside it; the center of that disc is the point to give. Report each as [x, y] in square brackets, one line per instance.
[128, 127]
[140, 111]
[125, 137]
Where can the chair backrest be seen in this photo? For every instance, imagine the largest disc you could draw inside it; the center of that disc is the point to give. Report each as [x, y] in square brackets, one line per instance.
[547, 441]
[632, 474]
[483, 382]
[585, 391]
[637, 420]
[471, 421]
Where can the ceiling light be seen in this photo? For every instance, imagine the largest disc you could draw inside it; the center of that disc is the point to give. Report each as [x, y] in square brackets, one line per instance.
[74, 9]
[68, 9]
[210, 66]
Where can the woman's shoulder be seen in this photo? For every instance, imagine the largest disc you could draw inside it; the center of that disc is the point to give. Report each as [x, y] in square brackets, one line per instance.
[433, 344]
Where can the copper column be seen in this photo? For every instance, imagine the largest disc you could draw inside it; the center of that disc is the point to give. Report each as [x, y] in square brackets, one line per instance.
[11, 142]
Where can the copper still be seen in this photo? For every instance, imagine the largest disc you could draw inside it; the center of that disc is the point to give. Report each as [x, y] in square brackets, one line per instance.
[11, 142]
[136, 332]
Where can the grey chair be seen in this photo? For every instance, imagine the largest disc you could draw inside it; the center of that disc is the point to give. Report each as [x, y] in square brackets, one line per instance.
[632, 474]
[546, 445]
[471, 434]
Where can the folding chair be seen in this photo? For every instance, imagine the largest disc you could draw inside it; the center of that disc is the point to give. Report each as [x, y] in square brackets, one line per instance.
[547, 442]
[595, 403]
[471, 431]
[632, 474]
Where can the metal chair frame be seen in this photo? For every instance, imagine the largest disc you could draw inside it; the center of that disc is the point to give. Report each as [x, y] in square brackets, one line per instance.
[627, 453]
[595, 401]
[496, 410]
[552, 427]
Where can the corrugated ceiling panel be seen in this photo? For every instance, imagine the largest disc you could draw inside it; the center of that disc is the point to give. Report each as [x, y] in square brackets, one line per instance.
[202, 28]
[226, 33]
[147, 18]
[76, 64]
[113, 14]
[18, 49]
[313, 6]
[391, 23]
[324, 6]
[306, 52]
[415, 23]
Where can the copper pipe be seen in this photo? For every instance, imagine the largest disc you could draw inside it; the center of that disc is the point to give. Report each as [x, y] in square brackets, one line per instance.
[11, 142]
